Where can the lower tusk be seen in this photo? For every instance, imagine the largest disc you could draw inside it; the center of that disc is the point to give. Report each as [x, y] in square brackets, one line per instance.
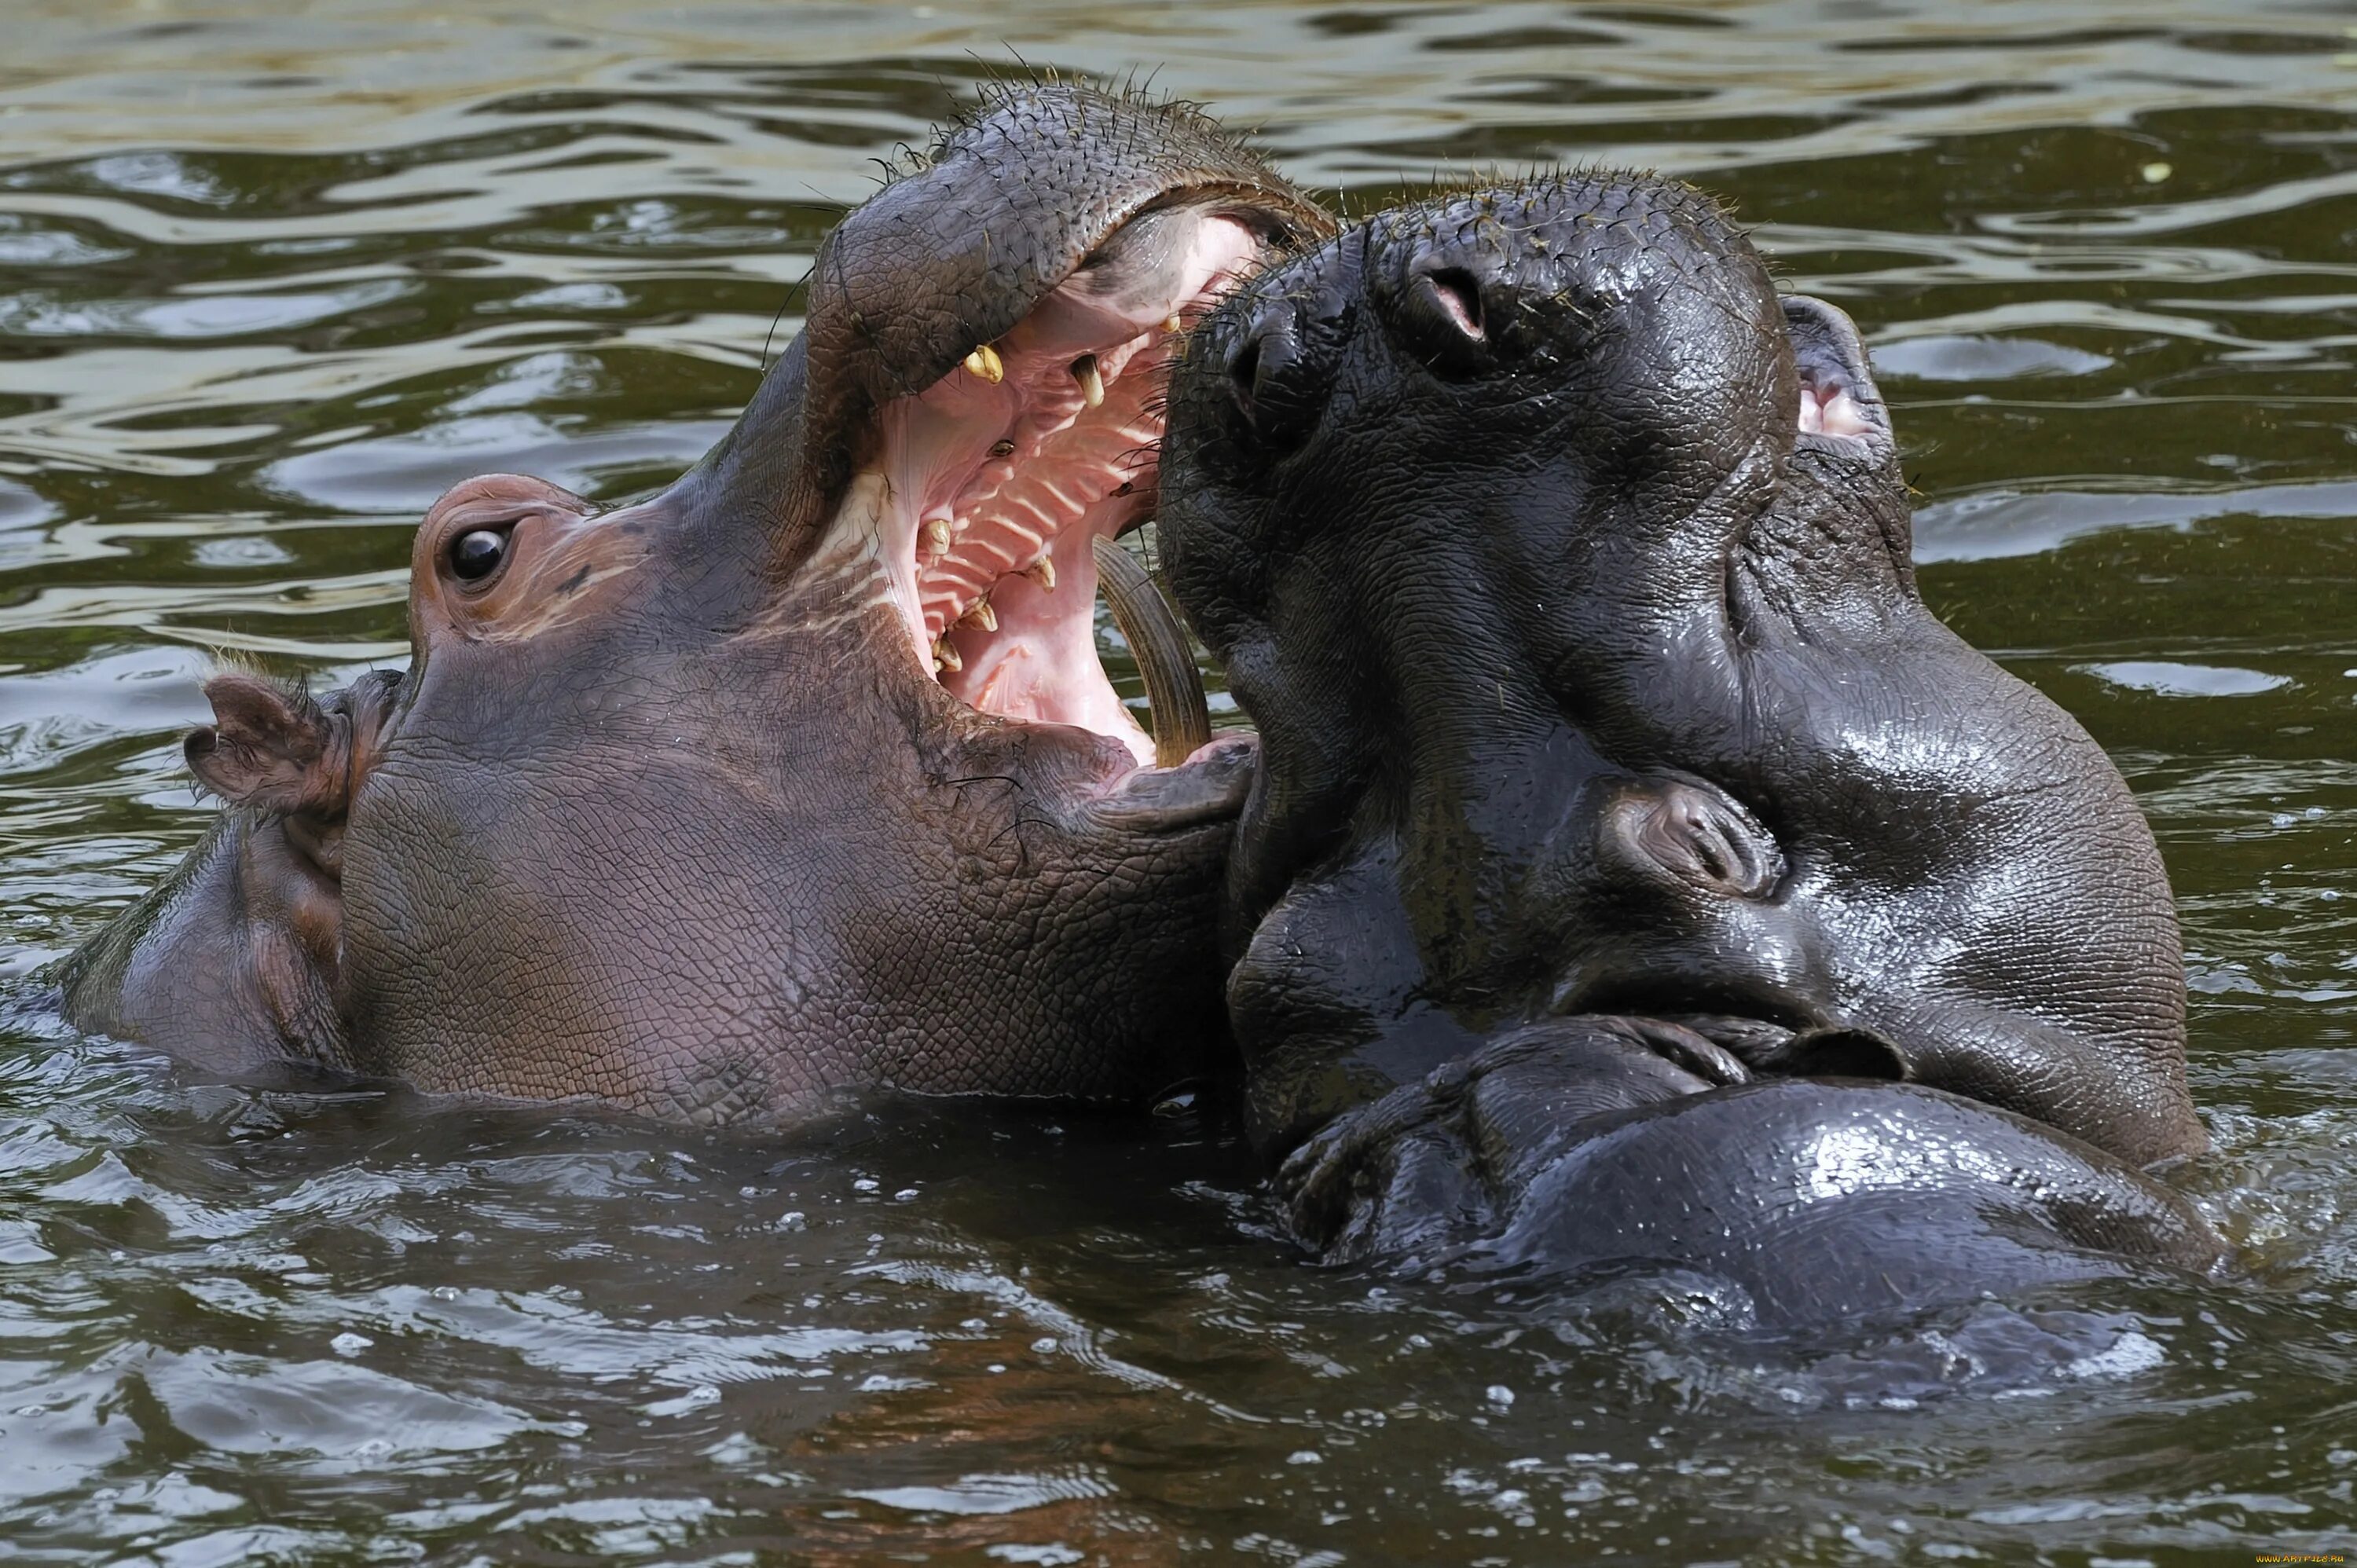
[1174, 687]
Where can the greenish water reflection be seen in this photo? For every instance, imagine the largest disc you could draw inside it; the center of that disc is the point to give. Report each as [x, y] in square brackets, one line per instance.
[269, 282]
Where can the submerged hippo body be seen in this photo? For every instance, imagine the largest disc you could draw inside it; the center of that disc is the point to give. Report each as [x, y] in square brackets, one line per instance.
[1566, 570]
[1591, 1148]
[801, 774]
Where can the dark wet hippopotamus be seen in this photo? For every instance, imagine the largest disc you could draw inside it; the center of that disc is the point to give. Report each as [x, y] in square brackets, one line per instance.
[1599, 1146]
[801, 774]
[1566, 570]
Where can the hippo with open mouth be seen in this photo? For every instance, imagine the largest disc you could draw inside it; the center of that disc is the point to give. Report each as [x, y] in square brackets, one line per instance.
[801, 774]
[1616, 789]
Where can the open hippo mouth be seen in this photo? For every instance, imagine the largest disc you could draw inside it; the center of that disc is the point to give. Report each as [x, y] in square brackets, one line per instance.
[993, 492]
[1001, 476]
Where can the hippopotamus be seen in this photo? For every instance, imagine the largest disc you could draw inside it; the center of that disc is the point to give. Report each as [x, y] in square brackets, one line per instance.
[800, 776]
[1595, 1147]
[1634, 866]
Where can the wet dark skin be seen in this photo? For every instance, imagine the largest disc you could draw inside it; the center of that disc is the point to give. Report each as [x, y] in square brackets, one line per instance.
[1594, 1145]
[1565, 571]
[799, 776]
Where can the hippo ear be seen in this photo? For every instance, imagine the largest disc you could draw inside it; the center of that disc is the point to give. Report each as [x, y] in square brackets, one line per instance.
[272, 748]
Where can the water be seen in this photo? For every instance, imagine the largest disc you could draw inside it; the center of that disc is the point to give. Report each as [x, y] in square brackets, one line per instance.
[268, 282]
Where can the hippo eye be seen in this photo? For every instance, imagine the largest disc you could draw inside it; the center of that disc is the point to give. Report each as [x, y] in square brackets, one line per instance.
[477, 554]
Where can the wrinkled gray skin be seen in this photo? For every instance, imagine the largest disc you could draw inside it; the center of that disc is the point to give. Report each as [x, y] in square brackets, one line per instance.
[1594, 1145]
[1589, 684]
[671, 808]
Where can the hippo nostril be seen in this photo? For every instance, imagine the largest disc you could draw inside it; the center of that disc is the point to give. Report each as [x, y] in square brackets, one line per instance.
[1442, 317]
[1244, 372]
[1459, 299]
[1267, 375]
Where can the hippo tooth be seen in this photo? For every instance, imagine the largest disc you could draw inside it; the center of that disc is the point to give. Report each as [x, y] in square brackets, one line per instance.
[937, 532]
[1085, 371]
[1043, 572]
[981, 615]
[946, 657]
[985, 363]
[1171, 323]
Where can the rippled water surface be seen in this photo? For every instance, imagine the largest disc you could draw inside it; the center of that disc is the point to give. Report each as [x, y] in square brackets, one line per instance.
[273, 274]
